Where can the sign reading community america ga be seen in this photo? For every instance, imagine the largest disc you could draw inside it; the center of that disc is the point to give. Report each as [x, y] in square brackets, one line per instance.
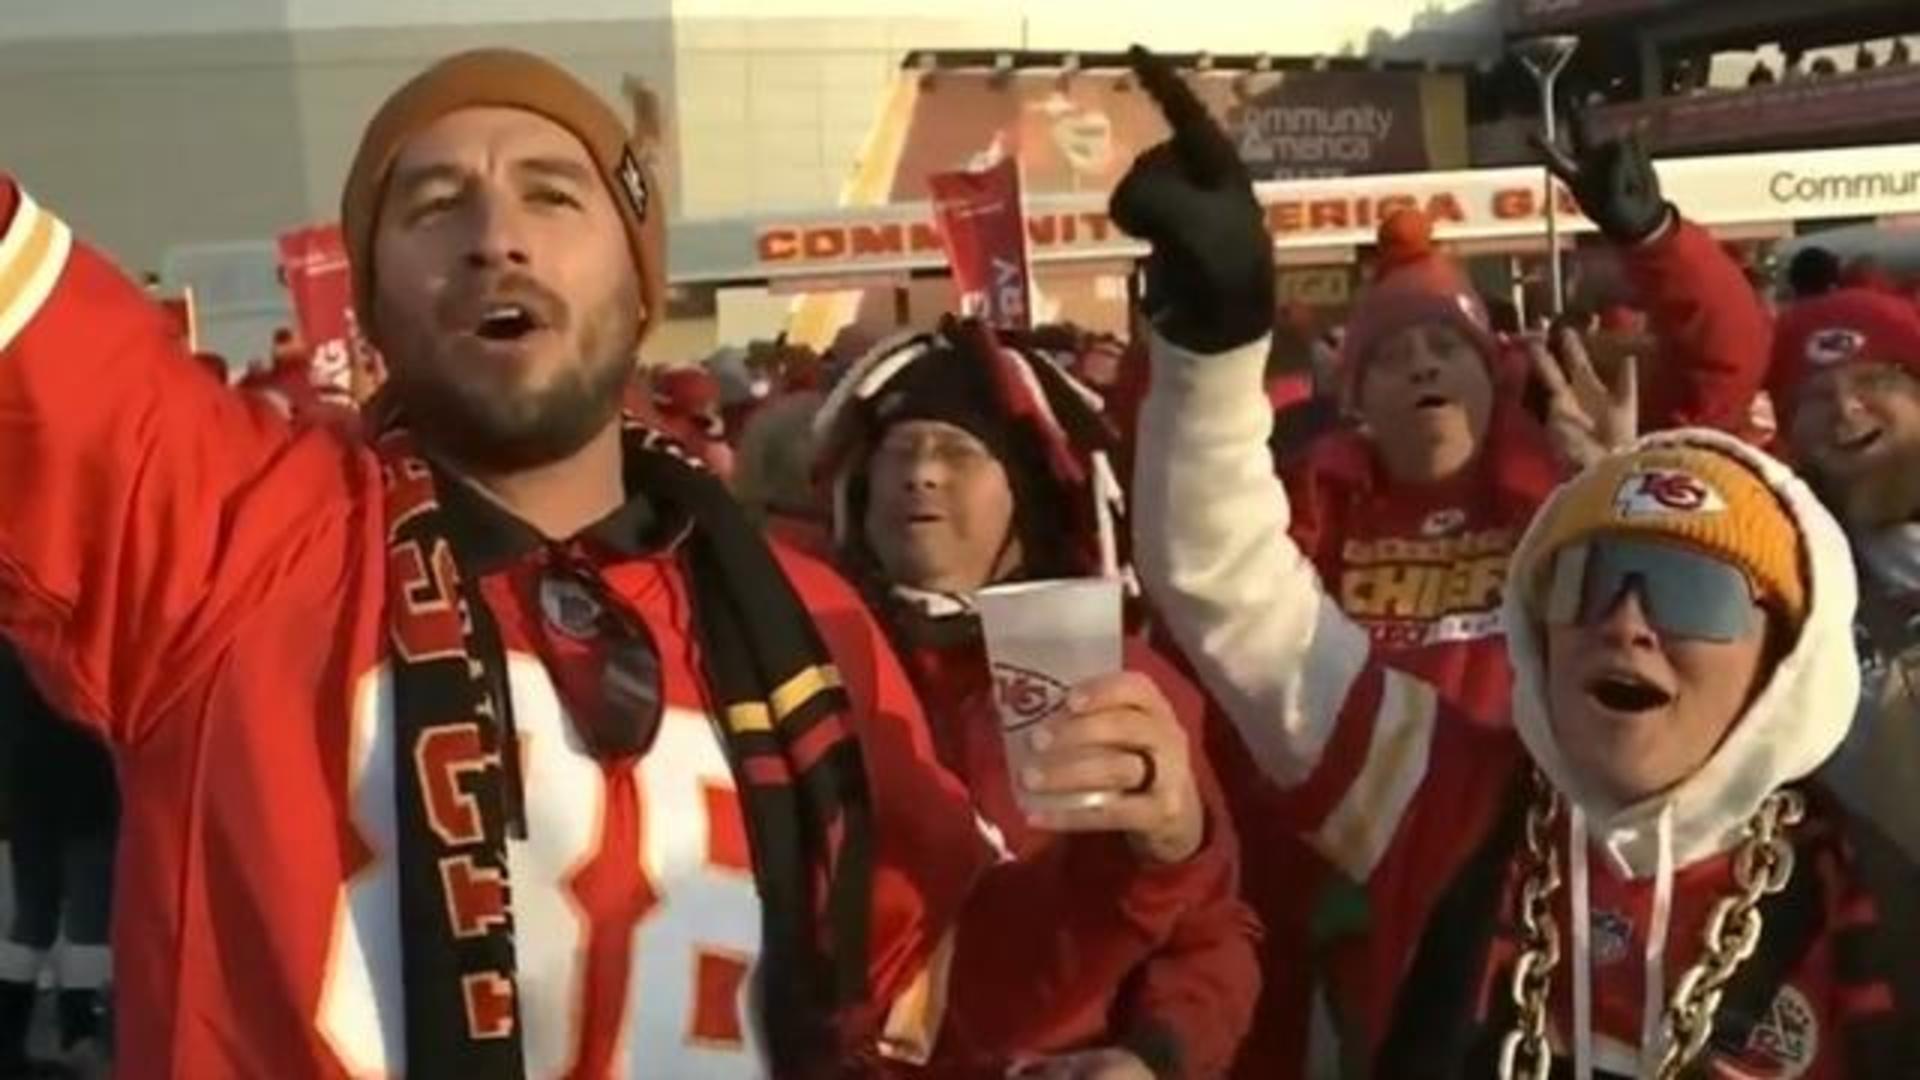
[1466, 206]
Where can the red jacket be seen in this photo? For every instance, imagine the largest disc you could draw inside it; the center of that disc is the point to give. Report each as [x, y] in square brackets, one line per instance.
[204, 587]
[1197, 984]
[1715, 338]
[1283, 882]
[1455, 807]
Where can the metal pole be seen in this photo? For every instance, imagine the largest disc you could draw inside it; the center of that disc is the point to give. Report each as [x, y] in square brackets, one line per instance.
[1557, 284]
[1517, 286]
[1545, 58]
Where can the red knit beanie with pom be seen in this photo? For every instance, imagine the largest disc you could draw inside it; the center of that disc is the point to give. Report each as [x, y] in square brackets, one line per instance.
[1404, 238]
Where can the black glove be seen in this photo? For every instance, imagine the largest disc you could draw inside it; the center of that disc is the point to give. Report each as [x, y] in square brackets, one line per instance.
[1613, 180]
[1210, 281]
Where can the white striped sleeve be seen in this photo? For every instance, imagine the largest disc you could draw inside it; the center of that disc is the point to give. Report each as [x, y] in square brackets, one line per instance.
[1211, 543]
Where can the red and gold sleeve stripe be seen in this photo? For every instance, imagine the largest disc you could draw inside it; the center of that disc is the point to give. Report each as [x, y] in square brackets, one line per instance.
[1362, 822]
[33, 253]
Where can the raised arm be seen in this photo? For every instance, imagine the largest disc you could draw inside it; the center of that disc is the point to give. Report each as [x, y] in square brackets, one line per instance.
[129, 521]
[1211, 517]
[1346, 739]
[1714, 337]
[1212, 545]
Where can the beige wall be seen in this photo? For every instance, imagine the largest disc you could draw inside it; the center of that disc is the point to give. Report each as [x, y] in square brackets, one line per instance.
[148, 143]
[142, 143]
[773, 113]
[196, 151]
[192, 151]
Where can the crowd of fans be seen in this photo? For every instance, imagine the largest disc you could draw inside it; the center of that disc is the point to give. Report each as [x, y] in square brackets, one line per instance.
[1794, 67]
[1500, 694]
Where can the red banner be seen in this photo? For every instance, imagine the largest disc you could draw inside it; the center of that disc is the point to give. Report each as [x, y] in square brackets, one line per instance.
[983, 224]
[313, 264]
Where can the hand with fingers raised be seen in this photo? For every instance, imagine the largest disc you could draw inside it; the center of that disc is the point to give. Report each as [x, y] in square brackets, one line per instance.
[1587, 417]
[1612, 179]
[1118, 738]
[1210, 283]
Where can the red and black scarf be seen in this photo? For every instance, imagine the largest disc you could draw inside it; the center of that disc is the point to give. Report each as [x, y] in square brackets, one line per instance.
[799, 771]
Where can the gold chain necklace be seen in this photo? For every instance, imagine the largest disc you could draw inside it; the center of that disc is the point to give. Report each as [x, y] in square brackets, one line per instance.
[1761, 867]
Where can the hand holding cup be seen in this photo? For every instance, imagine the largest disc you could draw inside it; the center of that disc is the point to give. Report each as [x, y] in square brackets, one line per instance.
[1118, 759]
[1091, 748]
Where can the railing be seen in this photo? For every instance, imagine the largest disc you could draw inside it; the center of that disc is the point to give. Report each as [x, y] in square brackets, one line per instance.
[1833, 104]
[1550, 16]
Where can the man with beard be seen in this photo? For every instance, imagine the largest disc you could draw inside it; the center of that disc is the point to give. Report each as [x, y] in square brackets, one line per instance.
[504, 747]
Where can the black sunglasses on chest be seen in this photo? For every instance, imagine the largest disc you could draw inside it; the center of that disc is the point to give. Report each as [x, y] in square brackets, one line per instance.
[618, 709]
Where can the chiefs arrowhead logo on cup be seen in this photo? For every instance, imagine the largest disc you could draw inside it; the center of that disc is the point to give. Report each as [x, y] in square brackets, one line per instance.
[1025, 697]
[1649, 492]
[1836, 346]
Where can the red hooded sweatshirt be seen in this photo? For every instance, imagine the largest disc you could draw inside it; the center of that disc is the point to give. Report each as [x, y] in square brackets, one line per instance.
[1422, 568]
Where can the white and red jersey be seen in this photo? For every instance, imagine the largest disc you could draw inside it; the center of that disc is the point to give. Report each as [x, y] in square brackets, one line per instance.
[203, 585]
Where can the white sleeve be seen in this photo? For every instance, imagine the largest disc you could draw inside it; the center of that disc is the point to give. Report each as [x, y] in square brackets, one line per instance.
[1211, 544]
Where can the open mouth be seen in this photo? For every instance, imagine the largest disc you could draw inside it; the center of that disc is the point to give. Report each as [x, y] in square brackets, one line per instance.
[1621, 692]
[1858, 443]
[1431, 401]
[506, 322]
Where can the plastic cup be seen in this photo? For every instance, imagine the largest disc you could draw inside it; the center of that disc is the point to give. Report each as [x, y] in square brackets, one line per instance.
[1043, 639]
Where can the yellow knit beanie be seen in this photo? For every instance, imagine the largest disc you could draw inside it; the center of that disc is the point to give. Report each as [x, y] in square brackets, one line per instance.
[1693, 496]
